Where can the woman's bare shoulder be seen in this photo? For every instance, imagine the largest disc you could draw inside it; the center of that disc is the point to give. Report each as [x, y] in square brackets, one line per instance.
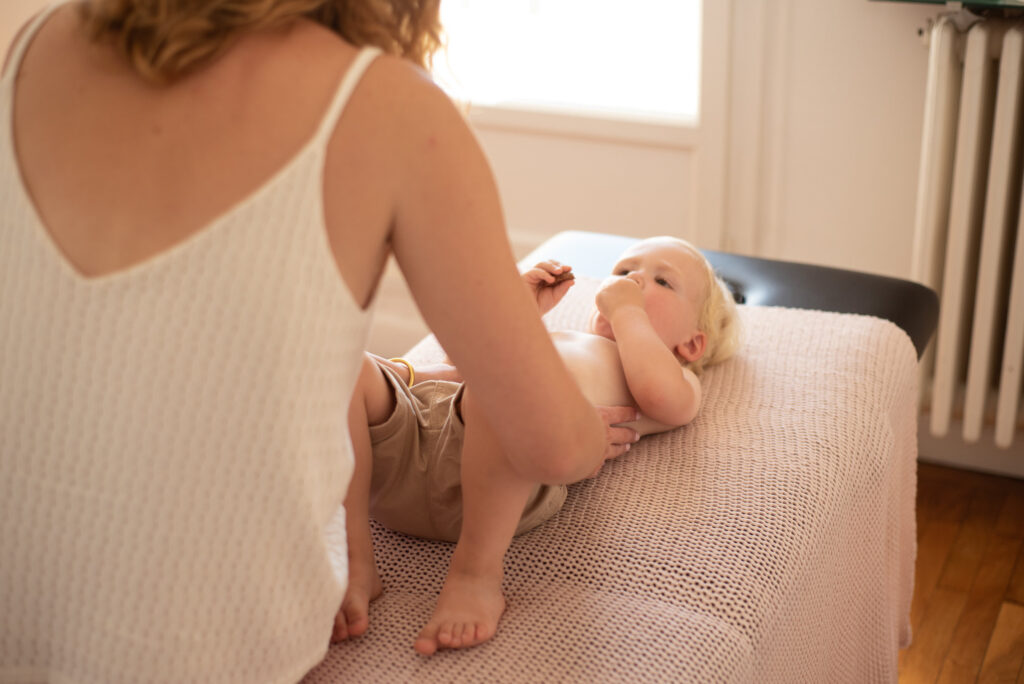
[400, 112]
[404, 92]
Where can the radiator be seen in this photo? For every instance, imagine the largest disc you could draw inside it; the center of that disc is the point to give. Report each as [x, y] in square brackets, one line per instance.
[967, 240]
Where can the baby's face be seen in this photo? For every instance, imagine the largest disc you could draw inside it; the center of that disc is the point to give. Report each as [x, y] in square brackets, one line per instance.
[671, 279]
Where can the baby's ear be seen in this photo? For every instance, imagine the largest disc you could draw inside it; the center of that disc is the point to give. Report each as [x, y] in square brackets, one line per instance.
[693, 348]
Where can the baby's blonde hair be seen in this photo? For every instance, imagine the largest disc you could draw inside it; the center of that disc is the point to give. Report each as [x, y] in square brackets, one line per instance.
[164, 39]
[718, 318]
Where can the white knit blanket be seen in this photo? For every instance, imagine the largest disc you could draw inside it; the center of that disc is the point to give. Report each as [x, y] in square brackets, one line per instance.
[772, 540]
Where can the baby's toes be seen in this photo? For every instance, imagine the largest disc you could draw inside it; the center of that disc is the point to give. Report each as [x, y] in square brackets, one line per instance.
[427, 641]
[484, 632]
[469, 634]
[340, 631]
[450, 635]
[358, 620]
[465, 634]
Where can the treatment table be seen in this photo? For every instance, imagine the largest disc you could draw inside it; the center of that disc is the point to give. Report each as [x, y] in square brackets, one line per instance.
[771, 540]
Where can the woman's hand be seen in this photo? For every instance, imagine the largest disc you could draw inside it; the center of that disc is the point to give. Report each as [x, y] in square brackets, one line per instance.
[548, 281]
[618, 439]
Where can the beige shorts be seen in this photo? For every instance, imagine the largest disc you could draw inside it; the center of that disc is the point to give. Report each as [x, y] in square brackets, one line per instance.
[417, 486]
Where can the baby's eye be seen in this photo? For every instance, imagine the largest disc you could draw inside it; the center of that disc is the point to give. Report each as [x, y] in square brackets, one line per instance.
[663, 282]
[622, 272]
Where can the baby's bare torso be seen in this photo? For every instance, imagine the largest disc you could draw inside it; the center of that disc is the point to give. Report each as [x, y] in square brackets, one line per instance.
[595, 364]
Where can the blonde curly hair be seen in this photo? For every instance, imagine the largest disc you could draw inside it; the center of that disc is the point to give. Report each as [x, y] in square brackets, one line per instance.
[164, 39]
[719, 319]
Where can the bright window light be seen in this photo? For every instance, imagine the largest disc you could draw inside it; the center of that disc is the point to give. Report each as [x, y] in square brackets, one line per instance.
[638, 59]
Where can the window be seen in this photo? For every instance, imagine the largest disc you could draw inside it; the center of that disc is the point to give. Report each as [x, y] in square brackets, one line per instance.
[637, 60]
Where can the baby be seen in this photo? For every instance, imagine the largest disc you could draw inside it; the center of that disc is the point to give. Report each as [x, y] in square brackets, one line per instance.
[428, 466]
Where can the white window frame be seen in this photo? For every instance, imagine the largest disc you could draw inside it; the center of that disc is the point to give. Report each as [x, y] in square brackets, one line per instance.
[593, 124]
[708, 138]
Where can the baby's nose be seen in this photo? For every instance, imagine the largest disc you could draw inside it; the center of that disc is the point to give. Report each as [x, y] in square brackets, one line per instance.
[636, 278]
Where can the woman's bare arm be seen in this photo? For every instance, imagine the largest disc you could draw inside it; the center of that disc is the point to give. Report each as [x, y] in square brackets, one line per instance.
[448, 236]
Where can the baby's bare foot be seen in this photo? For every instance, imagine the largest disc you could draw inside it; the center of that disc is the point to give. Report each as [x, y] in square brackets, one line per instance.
[364, 585]
[466, 614]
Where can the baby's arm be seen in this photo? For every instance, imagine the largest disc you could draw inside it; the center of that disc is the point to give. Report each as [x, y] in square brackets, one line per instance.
[664, 390]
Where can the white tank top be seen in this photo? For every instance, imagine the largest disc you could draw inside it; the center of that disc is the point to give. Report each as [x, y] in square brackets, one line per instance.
[174, 448]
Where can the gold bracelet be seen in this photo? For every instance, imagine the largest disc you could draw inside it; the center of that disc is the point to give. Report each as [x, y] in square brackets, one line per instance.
[412, 373]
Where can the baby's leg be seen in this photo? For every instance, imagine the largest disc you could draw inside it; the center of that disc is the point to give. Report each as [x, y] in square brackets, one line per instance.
[493, 498]
[372, 403]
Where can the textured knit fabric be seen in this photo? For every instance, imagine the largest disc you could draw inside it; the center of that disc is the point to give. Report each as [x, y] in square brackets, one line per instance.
[173, 441]
[771, 540]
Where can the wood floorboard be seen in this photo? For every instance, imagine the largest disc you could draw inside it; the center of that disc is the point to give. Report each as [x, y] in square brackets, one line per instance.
[1011, 518]
[967, 613]
[1015, 592]
[1006, 650]
[978, 619]
[935, 542]
[923, 661]
[979, 524]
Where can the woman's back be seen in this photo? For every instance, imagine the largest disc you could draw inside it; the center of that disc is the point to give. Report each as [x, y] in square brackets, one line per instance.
[207, 141]
[176, 374]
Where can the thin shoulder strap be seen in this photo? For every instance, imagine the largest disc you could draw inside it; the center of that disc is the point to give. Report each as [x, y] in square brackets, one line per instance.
[29, 31]
[348, 84]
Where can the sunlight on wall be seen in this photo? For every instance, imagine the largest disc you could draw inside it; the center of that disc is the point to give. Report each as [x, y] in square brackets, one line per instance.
[635, 60]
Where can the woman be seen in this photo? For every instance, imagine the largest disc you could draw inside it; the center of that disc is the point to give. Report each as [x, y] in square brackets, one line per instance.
[197, 198]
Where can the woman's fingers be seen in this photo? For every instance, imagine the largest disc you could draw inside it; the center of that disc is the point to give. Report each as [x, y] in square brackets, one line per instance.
[618, 439]
[549, 270]
[616, 415]
[616, 450]
[622, 435]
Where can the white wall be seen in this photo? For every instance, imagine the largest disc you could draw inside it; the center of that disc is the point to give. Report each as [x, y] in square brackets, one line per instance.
[556, 182]
[816, 110]
[845, 134]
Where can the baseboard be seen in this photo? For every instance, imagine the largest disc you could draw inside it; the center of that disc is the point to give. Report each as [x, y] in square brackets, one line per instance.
[983, 456]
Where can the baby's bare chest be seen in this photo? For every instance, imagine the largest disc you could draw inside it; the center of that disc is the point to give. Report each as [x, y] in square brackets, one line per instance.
[595, 364]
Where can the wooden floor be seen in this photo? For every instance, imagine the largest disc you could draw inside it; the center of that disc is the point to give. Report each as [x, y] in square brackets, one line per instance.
[968, 606]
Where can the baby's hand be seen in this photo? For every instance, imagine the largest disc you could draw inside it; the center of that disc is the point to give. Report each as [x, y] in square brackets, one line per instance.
[547, 273]
[548, 281]
[617, 292]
